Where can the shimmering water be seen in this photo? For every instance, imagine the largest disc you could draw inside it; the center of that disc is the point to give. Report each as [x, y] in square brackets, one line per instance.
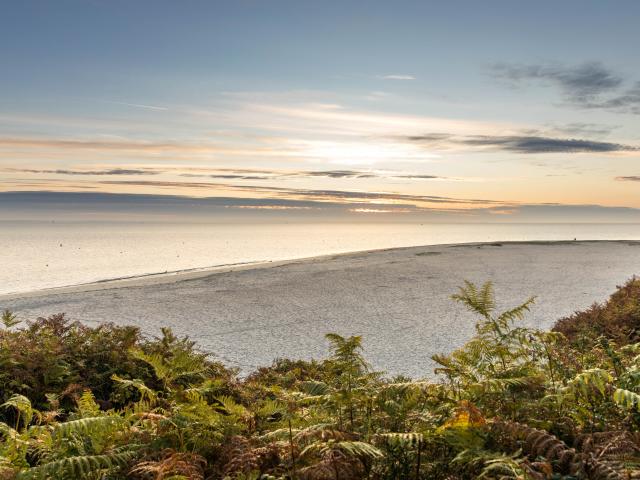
[38, 255]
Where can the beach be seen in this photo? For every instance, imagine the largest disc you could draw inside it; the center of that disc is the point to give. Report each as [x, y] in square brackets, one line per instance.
[397, 299]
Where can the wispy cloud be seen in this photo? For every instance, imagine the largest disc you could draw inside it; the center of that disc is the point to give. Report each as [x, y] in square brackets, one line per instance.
[397, 77]
[234, 173]
[341, 196]
[631, 178]
[626, 102]
[248, 174]
[588, 85]
[35, 146]
[578, 82]
[60, 171]
[139, 105]
[584, 128]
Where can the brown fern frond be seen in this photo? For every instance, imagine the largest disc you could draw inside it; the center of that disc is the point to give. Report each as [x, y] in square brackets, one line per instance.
[537, 443]
[334, 464]
[171, 464]
[241, 456]
[609, 445]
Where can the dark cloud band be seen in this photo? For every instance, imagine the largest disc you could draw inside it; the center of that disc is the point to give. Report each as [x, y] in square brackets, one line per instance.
[523, 143]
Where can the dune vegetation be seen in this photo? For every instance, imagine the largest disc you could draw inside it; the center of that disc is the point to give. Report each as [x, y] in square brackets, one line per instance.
[106, 402]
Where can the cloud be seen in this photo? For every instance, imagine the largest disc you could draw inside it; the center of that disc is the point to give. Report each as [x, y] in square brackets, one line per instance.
[233, 173]
[528, 144]
[631, 178]
[339, 174]
[139, 105]
[577, 82]
[362, 150]
[588, 85]
[230, 177]
[44, 204]
[248, 174]
[96, 144]
[397, 77]
[321, 195]
[582, 128]
[111, 171]
[532, 144]
[12, 146]
[380, 210]
[626, 102]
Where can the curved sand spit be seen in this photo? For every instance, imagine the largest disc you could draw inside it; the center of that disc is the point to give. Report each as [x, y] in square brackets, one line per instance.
[397, 299]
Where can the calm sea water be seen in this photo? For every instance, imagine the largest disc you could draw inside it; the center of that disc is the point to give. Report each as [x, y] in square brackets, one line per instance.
[37, 255]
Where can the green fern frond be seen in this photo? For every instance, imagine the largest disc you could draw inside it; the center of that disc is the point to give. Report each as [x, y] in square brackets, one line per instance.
[146, 393]
[401, 439]
[493, 464]
[589, 380]
[156, 362]
[627, 399]
[87, 406]
[183, 363]
[278, 434]
[270, 408]
[403, 387]
[23, 405]
[314, 388]
[350, 448]
[231, 407]
[7, 432]
[85, 426]
[479, 301]
[359, 449]
[79, 467]
[516, 313]
[498, 385]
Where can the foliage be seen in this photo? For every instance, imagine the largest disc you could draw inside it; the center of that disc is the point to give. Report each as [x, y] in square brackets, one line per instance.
[80, 402]
[618, 319]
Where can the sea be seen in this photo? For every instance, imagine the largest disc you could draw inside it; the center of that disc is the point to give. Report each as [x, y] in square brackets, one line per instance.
[38, 255]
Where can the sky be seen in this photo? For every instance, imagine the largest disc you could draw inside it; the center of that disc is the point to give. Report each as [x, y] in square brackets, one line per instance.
[495, 110]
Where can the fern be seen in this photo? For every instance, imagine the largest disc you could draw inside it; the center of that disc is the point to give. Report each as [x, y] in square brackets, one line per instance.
[480, 301]
[401, 439]
[314, 388]
[86, 426]
[23, 406]
[590, 381]
[9, 319]
[350, 448]
[87, 406]
[79, 467]
[146, 393]
[627, 399]
[492, 464]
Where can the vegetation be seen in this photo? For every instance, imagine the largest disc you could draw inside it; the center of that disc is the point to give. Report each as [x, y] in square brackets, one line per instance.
[513, 403]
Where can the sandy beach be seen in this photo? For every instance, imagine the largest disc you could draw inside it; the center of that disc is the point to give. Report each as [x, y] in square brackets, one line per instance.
[397, 299]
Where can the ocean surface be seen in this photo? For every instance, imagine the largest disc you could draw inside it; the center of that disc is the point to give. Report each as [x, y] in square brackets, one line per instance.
[39, 255]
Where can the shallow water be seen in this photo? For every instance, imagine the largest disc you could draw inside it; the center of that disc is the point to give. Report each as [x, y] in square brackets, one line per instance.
[37, 255]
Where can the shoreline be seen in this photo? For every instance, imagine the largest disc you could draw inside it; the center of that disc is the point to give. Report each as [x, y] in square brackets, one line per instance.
[176, 276]
[397, 299]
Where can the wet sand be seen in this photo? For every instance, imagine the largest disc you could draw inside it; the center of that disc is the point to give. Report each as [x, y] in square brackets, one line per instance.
[398, 299]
